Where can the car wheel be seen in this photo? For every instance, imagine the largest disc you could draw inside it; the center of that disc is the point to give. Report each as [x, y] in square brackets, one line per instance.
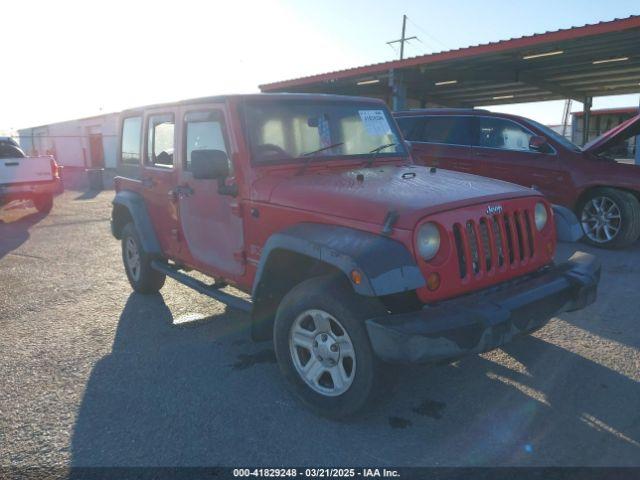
[43, 202]
[610, 218]
[137, 263]
[323, 348]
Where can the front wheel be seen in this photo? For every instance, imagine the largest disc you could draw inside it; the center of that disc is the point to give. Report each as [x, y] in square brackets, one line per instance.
[322, 346]
[137, 263]
[610, 218]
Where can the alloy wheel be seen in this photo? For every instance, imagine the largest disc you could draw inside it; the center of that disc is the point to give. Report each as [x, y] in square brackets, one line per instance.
[601, 219]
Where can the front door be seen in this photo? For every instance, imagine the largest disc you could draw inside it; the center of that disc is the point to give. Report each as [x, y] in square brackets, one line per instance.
[159, 178]
[210, 221]
[96, 150]
[501, 146]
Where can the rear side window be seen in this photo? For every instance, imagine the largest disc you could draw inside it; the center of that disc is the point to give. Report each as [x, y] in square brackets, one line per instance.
[410, 127]
[204, 131]
[8, 150]
[160, 140]
[446, 129]
[131, 140]
[503, 134]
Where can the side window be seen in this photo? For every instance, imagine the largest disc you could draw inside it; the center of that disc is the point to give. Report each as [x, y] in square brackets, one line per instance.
[204, 131]
[447, 129]
[410, 127]
[131, 140]
[503, 134]
[160, 140]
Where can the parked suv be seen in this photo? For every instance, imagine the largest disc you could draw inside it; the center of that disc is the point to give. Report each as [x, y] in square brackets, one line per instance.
[603, 193]
[351, 255]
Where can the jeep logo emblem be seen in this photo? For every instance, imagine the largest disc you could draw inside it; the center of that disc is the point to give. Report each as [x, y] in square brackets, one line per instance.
[494, 209]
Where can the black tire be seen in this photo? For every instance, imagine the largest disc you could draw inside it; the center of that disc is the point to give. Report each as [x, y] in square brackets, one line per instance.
[629, 208]
[43, 202]
[336, 297]
[145, 279]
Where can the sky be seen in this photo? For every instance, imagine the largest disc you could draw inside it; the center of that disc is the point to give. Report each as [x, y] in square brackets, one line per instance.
[70, 59]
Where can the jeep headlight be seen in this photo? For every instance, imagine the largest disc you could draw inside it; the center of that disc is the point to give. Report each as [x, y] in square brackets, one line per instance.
[428, 240]
[541, 216]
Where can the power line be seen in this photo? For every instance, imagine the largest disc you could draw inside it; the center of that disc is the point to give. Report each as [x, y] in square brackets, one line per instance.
[428, 34]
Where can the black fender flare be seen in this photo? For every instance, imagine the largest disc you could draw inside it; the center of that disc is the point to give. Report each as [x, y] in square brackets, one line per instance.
[385, 265]
[134, 203]
[568, 228]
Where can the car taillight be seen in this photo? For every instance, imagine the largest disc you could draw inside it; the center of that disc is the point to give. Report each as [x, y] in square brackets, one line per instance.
[55, 171]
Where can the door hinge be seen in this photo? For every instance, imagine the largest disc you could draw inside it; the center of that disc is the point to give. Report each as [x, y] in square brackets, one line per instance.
[237, 209]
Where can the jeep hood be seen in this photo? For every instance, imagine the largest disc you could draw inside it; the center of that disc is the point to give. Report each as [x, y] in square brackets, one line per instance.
[617, 134]
[368, 194]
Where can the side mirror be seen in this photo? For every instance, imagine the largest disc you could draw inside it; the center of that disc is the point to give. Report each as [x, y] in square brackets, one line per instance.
[209, 164]
[538, 143]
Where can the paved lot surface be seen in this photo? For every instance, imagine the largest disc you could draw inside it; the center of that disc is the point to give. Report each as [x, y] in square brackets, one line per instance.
[92, 374]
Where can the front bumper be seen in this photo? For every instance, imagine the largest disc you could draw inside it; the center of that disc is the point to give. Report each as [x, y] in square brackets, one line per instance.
[486, 320]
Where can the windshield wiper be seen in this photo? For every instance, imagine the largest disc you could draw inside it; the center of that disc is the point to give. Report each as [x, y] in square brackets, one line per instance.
[308, 156]
[377, 150]
[322, 149]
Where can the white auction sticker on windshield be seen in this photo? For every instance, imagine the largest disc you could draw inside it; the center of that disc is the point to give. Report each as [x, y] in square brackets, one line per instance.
[375, 122]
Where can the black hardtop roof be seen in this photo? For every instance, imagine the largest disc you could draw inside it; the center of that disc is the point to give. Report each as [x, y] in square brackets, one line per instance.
[255, 96]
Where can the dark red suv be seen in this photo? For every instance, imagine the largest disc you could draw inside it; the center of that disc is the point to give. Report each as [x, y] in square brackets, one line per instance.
[603, 193]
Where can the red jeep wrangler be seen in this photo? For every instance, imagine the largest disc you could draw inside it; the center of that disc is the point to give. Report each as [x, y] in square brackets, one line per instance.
[352, 255]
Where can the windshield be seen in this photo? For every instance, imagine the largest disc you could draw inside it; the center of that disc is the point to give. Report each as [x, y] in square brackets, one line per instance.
[549, 133]
[290, 130]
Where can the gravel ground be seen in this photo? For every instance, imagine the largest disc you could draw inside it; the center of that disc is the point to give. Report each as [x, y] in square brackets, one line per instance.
[92, 374]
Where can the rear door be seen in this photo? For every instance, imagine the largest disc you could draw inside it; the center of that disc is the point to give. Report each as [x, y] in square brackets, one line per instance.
[211, 222]
[440, 140]
[501, 145]
[159, 177]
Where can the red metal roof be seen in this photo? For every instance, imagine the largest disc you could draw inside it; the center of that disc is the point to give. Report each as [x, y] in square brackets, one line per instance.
[531, 41]
[610, 111]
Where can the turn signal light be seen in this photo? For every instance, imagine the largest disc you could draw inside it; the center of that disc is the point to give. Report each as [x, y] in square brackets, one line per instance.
[433, 281]
[356, 277]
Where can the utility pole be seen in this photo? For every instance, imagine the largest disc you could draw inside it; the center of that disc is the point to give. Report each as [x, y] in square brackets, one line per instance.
[403, 39]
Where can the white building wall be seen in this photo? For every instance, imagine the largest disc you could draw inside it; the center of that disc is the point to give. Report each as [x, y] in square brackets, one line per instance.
[69, 141]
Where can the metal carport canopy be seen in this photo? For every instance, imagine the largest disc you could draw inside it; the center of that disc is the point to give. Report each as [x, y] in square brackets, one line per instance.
[578, 63]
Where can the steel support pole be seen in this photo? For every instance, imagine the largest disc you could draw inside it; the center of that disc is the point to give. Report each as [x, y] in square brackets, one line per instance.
[586, 118]
[398, 91]
[638, 145]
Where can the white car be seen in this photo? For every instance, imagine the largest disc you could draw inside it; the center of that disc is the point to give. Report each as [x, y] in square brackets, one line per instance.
[29, 178]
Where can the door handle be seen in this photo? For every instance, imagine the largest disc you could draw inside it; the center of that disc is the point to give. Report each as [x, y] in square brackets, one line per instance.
[183, 191]
[485, 155]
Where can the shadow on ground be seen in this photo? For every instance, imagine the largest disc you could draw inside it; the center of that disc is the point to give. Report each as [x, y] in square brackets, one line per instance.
[204, 395]
[15, 225]
[88, 195]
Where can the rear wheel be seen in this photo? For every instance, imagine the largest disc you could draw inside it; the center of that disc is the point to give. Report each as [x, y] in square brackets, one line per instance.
[43, 202]
[610, 218]
[323, 348]
[137, 263]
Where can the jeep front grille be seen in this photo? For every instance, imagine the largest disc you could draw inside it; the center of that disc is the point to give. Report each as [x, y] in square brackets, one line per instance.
[491, 242]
